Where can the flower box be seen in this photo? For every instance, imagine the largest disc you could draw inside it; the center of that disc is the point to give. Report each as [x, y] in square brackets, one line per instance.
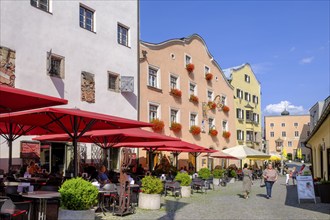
[225, 108]
[226, 134]
[195, 130]
[193, 98]
[208, 76]
[213, 132]
[157, 125]
[190, 67]
[212, 105]
[176, 127]
[176, 92]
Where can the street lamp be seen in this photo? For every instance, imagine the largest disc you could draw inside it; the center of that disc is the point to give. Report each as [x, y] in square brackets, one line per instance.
[279, 147]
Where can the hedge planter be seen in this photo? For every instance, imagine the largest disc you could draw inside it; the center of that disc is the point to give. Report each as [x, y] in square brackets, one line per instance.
[149, 201]
[216, 181]
[231, 180]
[186, 191]
[324, 192]
[65, 214]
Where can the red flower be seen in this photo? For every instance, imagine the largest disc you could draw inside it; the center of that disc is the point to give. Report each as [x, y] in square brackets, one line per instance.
[158, 125]
[225, 108]
[176, 92]
[195, 130]
[213, 132]
[176, 127]
[209, 76]
[226, 134]
[193, 98]
[190, 67]
[212, 105]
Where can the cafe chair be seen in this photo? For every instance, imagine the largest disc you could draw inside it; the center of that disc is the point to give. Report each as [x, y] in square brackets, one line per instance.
[15, 210]
[174, 187]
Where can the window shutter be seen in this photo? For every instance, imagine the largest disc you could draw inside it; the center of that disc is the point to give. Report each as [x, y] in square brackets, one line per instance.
[49, 61]
[127, 84]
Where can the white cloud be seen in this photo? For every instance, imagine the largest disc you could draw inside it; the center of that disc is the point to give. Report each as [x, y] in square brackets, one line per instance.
[306, 60]
[261, 68]
[292, 49]
[276, 109]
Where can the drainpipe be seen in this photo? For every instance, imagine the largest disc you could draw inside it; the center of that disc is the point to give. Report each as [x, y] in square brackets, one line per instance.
[138, 69]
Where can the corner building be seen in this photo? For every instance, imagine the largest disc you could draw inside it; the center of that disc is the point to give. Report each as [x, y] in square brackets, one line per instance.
[168, 92]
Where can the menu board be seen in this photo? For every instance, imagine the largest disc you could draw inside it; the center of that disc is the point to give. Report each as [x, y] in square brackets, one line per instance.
[305, 188]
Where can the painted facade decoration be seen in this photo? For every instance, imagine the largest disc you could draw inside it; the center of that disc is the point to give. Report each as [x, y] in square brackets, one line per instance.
[7, 66]
[87, 87]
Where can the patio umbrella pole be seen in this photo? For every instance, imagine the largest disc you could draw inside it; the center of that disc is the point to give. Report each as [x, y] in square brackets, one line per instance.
[75, 149]
[10, 145]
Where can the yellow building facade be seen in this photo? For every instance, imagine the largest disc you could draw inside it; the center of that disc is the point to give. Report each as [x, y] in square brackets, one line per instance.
[172, 75]
[247, 102]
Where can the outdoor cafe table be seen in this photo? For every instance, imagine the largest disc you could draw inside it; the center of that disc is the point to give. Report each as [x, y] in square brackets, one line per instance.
[100, 204]
[42, 196]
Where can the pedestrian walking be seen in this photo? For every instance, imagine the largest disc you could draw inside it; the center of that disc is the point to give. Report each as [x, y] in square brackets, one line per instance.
[247, 181]
[294, 175]
[270, 175]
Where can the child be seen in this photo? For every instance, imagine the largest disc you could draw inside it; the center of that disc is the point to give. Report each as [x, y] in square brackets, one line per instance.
[288, 176]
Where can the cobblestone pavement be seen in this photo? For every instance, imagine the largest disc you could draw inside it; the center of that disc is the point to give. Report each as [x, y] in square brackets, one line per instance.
[228, 203]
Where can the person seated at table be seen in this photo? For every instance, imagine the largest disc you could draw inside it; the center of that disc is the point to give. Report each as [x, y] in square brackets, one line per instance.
[103, 177]
[140, 170]
[31, 169]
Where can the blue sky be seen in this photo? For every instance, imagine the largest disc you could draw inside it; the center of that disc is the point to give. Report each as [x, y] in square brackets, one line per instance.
[286, 42]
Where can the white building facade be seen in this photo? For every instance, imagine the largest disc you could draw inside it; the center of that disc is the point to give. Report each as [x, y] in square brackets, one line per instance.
[82, 51]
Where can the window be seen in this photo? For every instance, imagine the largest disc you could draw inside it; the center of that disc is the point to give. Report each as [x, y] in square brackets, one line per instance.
[187, 59]
[41, 4]
[173, 82]
[211, 124]
[272, 133]
[289, 143]
[240, 135]
[153, 79]
[193, 119]
[209, 95]
[283, 134]
[296, 133]
[174, 115]
[295, 124]
[192, 89]
[283, 124]
[86, 18]
[223, 99]
[239, 93]
[272, 125]
[55, 65]
[224, 126]
[247, 96]
[247, 78]
[249, 115]
[249, 136]
[255, 99]
[122, 35]
[255, 117]
[153, 112]
[240, 113]
[114, 80]
[206, 70]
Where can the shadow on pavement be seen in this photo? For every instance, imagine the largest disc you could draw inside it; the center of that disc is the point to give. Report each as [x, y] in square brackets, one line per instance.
[262, 195]
[241, 196]
[292, 200]
[171, 207]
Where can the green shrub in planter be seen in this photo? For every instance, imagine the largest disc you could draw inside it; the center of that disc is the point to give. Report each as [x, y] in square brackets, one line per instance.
[204, 173]
[78, 194]
[233, 173]
[183, 178]
[151, 185]
[218, 173]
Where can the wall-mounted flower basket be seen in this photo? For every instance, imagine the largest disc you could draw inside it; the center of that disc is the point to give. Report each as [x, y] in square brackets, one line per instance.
[212, 105]
[225, 108]
[176, 127]
[213, 132]
[176, 92]
[226, 134]
[195, 130]
[157, 125]
[209, 76]
[193, 99]
[190, 67]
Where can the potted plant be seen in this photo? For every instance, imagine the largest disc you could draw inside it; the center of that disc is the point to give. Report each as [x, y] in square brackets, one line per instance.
[324, 191]
[226, 134]
[213, 132]
[195, 130]
[190, 67]
[176, 127]
[193, 99]
[225, 108]
[212, 105]
[204, 173]
[149, 197]
[185, 182]
[217, 174]
[232, 176]
[176, 92]
[157, 125]
[78, 197]
[208, 76]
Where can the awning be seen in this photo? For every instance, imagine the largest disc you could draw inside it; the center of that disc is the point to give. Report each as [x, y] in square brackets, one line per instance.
[243, 152]
[221, 155]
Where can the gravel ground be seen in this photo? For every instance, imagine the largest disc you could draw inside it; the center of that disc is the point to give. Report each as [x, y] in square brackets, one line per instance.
[228, 203]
